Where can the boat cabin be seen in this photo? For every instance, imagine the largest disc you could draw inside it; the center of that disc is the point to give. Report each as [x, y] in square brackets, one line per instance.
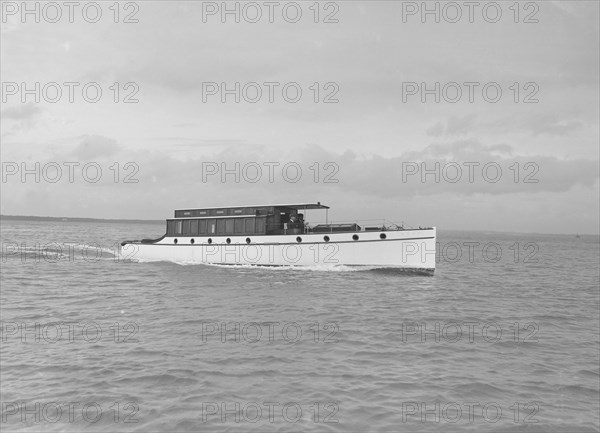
[242, 220]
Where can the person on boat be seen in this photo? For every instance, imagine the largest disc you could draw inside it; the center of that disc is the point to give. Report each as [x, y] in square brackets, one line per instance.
[301, 223]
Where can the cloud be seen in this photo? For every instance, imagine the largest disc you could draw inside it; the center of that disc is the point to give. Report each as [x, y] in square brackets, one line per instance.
[21, 117]
[550, 124]
[95, 146]
[22, 112]
[184, 142]
[455, 125]
[464, 168]
[358, 187]
[436, 130]
[459, 168]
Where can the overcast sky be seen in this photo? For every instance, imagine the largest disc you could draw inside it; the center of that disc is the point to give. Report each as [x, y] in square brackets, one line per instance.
[363, 155]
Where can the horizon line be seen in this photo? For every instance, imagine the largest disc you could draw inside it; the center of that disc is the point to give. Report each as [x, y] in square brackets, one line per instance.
[156, 221]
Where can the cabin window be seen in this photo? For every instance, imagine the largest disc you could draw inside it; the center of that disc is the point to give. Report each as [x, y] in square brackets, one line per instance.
[211, 225]
[220, 226]
[220, 212]
[186, 227]
[170, 228]
[194, 228]
[238, 211]
[249, 225]
[229, 226]
[178, 227]
[260, 225]
[239, 226]
[202, 213]
[271, 223]
[202, 227]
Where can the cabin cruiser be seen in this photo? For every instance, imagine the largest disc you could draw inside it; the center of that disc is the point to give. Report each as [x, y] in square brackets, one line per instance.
[278, 235]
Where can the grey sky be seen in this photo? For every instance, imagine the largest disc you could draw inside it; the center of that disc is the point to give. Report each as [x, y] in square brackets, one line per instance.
[368, 135]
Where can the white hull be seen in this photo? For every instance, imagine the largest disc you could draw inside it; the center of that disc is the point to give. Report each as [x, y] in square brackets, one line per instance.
[405, 249]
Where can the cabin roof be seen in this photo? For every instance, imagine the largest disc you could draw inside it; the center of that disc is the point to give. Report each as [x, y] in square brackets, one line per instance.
[301, 206]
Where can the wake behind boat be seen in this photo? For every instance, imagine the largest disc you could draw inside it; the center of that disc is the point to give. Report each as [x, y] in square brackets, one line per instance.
[277, 235]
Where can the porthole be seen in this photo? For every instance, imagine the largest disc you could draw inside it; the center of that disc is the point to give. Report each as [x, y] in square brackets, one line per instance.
[382, 236]
[248, 240]
[192, 241]
[355, 237]
[175, 240]
[326, 238]
[209, 240]
[228, 240]
[298, 239]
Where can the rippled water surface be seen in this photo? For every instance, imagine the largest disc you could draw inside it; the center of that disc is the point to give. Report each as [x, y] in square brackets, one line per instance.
[491, 342]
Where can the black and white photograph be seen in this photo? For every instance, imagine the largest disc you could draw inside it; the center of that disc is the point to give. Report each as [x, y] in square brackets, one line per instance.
[283, 216]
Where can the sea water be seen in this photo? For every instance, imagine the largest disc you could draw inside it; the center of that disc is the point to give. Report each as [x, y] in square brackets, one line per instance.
[503, 338]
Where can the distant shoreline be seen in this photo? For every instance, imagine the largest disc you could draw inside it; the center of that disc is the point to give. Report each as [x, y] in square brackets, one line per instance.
[77, 220]
[138, 221]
